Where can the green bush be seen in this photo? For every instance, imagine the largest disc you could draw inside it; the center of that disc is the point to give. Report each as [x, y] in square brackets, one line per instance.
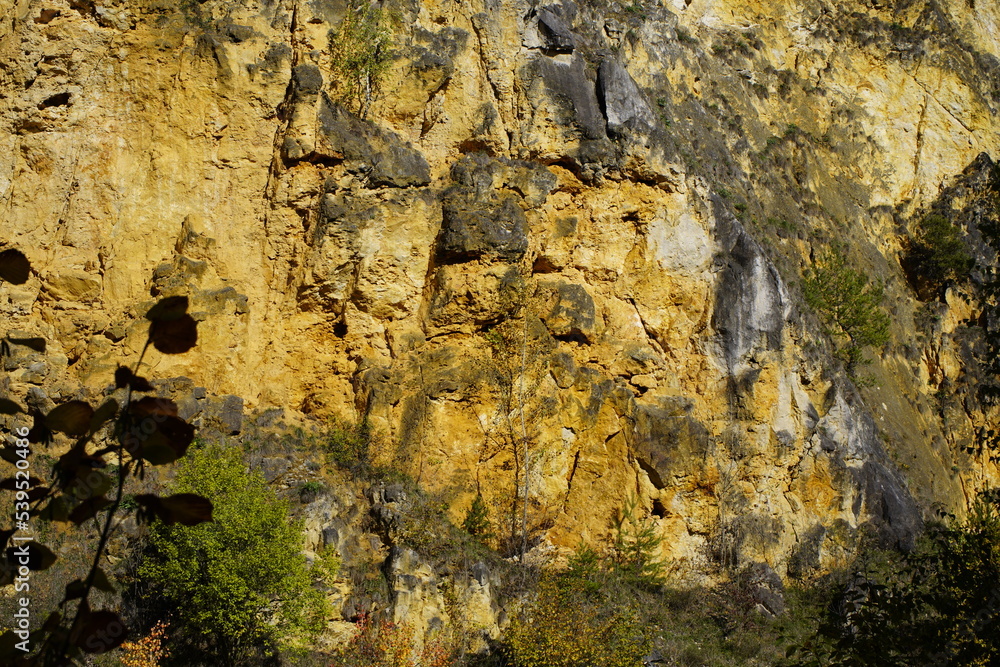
[383, 643]
[571, 624]
[637, 543]
[349, 445]
[939, 605]
[939, 254]
[593, 614]
[360, 53]
[850, 306]
[312, 486]
[239, 582]
[477, 520]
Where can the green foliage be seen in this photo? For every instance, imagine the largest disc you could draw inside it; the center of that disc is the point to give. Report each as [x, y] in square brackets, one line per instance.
[518, 345]
[326, 567]
[594, 614]
[382, 643]
[782, 224]
[477, 520]
[239, 582]
[939, 605]
[350, 445]
[77, 492]
[637, 544]
[311, 486]
[424, 525]
[850, 305]
[684, 37]
[360, 55]
[636, 10]
[585, 567]
[939, 253]
[128, 503]
[570, 624]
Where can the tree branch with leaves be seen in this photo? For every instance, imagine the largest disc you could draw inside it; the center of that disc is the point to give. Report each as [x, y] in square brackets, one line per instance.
[131, 431]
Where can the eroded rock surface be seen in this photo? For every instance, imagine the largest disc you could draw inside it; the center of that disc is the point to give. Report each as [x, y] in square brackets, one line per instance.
[645, 183]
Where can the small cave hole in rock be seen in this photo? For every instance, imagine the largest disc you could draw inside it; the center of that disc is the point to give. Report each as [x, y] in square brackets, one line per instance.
[658, 509]
[573, 337]
[467, 145]
[340, 329]
[543, 265]
[46, 16]
[57, 100]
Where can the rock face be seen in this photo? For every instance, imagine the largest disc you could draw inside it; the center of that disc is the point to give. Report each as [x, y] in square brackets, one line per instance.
[632, 191]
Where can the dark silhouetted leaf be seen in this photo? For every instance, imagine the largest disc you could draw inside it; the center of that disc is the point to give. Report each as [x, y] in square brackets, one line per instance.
[174, 336]
[78, 587]
[76, 472]
[149, 507]
[98, 631]
[88, 509]
[9, 653]
[159, 454]
[52, 622]
[75, 589]
[38, 492]
[71, 418]
[96, 484]
[101, 581]
[10, 484]
[39, 556]
[57, 509]
[5, 536]
[9, 453]
[168, 442]
[14, 266]
[168, 309]
[107, 411]
[9, 407]
[187, 509]
[124, 377]
[150, 406]
[40, 433]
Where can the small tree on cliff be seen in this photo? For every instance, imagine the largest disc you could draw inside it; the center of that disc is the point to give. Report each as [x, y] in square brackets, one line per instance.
[850, 305]
[360, 55]
[517, 367]
[240, 582]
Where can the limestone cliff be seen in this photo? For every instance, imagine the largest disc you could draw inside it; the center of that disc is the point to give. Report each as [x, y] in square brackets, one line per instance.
[632, 191]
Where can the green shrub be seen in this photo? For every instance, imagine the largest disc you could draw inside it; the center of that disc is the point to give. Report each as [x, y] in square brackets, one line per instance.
[360, 55]
[349, 445]
[477, 520]
[593, 614]
[939, 605]
[684, 37]
[637, 543]
[382, 643]
[939, 254]
[311, 486]
[850, 306]
[570, 625]
[239, 582]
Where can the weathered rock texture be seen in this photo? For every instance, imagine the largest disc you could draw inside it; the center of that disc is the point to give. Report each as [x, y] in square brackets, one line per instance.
[645, 181]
